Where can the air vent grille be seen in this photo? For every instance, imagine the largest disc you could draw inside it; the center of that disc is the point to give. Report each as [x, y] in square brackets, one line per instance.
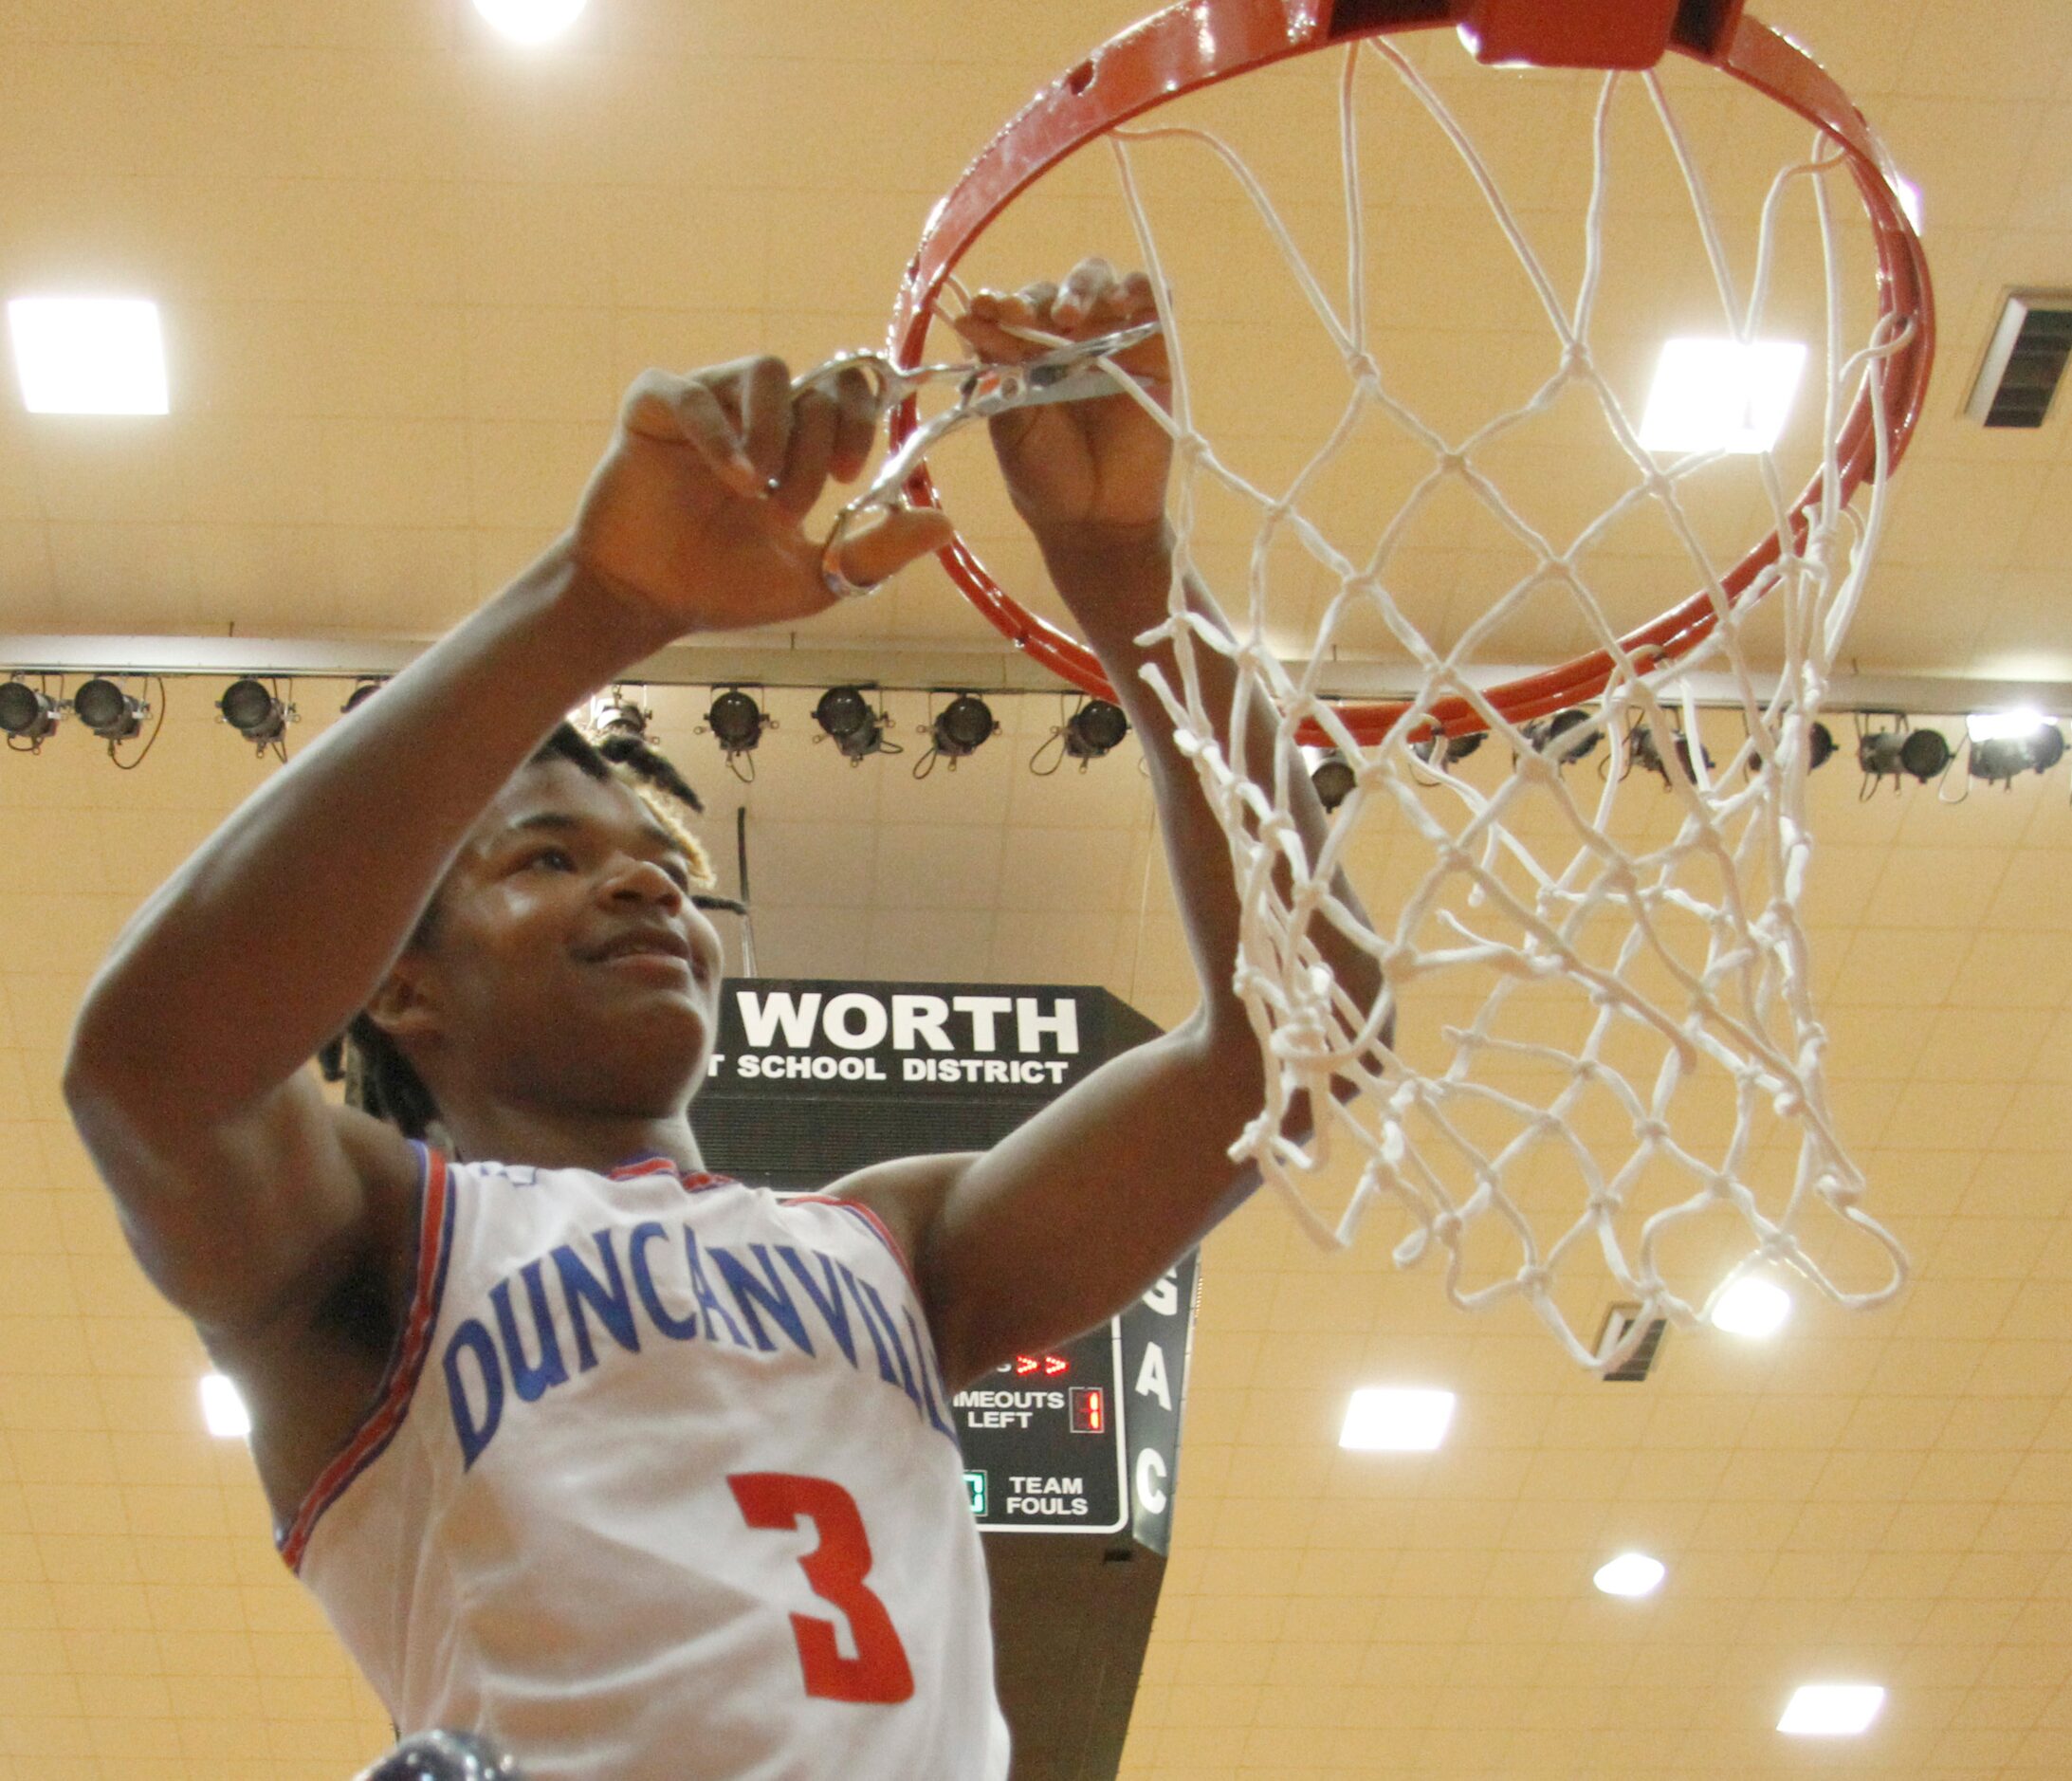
[2025, 360]
[1638, 1365]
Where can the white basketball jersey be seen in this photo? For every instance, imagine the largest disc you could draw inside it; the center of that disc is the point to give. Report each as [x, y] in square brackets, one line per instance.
[662, 1486]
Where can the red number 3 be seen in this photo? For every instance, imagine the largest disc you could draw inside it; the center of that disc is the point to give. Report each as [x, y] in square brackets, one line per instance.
[835, 1569]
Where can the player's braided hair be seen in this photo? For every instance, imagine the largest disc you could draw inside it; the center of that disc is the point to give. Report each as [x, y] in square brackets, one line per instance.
[378, 1078]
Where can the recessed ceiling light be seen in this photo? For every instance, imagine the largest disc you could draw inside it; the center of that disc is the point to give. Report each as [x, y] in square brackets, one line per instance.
[1630, 1573]
[1394, 1419]
[90, 354]
[223, 1410]
[530, 21]
[1720, 394]
[1831, 1709]
[1752, 1307]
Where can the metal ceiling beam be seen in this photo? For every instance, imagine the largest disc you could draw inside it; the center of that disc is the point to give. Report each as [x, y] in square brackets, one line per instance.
[761, 662]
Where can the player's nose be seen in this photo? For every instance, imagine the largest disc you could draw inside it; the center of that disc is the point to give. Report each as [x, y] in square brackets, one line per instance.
[641, 881]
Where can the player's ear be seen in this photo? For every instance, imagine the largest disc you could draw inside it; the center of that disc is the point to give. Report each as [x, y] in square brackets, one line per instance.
[406, 1006]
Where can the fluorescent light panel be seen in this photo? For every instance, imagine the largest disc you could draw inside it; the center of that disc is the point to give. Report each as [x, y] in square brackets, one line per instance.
[1753, 1307]
[90, 354]
[530, 21]
[1396, 1418]
[1831, 1709]
[1721, 394]
[223, 1410]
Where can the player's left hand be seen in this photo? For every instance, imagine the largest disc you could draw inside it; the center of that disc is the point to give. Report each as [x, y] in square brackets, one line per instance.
[1089, 473]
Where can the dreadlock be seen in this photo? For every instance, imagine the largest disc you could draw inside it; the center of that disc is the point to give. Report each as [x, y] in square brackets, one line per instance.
[378, 1078]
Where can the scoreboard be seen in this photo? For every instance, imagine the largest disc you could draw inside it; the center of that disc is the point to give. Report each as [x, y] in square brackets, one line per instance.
[1043, 1439]
[812, 1078]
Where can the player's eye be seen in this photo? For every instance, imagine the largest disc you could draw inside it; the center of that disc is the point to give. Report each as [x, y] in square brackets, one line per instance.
[679, 874]
[559, 857]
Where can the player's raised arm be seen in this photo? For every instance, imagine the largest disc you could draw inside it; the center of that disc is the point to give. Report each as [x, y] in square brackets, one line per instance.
[238, 1183]
[1078, 1210]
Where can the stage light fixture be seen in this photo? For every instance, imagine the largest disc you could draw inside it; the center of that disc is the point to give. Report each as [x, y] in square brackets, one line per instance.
[1096, 729]
[1819, 750]
[962, 726]
[737, 723]
[1921, 753]
[2006, 745]
[251, 709]
[107, 710]
[1334, 778]
[361, 694]
[620, 714]
[846, 717]
[27, 714]
[1446, 749]
[1648, 754]
[1556, 738]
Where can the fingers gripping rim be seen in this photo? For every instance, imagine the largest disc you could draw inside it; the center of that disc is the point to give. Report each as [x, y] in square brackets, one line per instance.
[1199, 43]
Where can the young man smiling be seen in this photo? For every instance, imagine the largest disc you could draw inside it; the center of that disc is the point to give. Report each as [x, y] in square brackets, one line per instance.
[643, 1473]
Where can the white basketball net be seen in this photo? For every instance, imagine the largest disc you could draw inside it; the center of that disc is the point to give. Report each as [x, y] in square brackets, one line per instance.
[1622, 977]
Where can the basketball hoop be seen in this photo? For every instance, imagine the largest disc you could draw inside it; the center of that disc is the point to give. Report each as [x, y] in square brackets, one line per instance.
[1199, 43]
[1591, 998]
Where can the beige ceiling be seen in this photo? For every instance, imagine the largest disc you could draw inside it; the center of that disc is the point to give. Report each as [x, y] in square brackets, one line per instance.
[405, 270]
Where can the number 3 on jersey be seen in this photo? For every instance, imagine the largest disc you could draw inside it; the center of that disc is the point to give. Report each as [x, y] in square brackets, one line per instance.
[836, 1570]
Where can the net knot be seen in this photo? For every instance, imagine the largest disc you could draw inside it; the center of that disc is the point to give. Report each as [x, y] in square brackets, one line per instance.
[1536, 768]
[1446, 1228]
[1534, 1282]
[1651, 1133]
[1451, 463]
[1365, 372]
[1839, 1194]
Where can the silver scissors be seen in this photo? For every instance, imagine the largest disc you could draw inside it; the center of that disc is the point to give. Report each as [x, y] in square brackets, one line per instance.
[1066, 374]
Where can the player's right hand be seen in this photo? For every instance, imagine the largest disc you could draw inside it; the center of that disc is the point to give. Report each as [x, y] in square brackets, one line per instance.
[694, 519]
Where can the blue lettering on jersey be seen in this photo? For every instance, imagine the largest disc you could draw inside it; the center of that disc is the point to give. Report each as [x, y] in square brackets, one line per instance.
[717, 1297]
[474, 1432]
[828, 1303]
[768, 1293]
[533, 1383]
[708, 1301]
[581, 1287]
[676, 1329]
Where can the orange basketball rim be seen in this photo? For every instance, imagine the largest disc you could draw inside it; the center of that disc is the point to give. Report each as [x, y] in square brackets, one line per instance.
[1201, 42]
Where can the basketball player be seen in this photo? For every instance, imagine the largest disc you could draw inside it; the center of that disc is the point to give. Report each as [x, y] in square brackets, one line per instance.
[647, 1475]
